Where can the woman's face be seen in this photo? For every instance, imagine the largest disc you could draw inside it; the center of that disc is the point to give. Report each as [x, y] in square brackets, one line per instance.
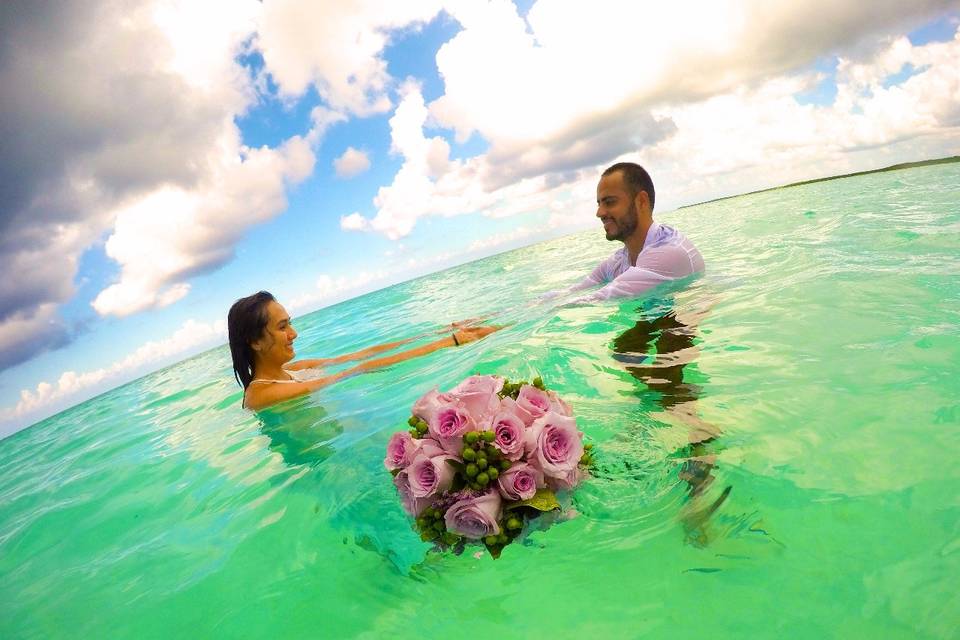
[276, 343]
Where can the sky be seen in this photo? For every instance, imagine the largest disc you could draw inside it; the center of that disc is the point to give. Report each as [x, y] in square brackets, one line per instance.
[162, 158]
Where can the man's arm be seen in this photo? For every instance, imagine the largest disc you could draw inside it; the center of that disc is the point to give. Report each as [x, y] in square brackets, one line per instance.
[653, 268]
[597, 276]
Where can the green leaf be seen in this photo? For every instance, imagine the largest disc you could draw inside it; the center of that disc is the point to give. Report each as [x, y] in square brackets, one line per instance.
[542, 500]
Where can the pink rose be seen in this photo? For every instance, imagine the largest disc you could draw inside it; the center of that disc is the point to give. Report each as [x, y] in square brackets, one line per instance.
[449, 424]
[430, 476]
[481, 384]
[531, 403]
[571, 480]
[508, 429]
[400, 450]
[429, 403]
[520, 482]
[557, 445]
[475, 516]
[479, 395]
[558, 406]
[429, 447]
[411, 504]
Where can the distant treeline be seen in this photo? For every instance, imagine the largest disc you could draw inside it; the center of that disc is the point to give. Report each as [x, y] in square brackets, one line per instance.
[895, 167]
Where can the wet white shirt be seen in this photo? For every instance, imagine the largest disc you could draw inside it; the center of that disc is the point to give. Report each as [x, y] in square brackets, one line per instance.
[667, 255]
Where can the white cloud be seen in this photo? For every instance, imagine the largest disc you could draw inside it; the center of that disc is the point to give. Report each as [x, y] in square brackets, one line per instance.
[583, 68]
[124, 117]
[750, 139]
[353, 222]
[163, 238]
[336, 48]
[190, 336]
[429, 183]
[698, 99]
[500, 239]
[352, 163]
[330, 289]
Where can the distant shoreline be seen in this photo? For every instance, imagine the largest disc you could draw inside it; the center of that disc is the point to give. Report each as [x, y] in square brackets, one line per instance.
[895, 167]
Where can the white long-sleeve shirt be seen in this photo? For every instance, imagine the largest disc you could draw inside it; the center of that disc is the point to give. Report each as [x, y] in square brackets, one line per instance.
[667, 255]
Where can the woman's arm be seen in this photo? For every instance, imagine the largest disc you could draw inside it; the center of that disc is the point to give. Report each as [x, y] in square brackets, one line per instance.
[259, 396]
[463, 336]
[357, 355]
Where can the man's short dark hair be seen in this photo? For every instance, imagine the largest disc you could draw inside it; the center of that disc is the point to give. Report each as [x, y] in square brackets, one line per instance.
[635, 178]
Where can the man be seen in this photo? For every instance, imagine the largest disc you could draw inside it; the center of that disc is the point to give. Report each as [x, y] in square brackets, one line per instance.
[652, 253]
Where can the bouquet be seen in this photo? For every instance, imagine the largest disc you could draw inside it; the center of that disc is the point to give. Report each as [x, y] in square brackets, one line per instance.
[481, 459]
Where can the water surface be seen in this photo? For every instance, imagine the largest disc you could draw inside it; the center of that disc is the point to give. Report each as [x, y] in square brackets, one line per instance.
[823, 346]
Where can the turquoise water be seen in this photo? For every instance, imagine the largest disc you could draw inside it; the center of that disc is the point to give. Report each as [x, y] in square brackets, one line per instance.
[823, 347]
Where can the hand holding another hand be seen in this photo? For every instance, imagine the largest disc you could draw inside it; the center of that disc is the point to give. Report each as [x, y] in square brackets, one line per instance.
[472, 334]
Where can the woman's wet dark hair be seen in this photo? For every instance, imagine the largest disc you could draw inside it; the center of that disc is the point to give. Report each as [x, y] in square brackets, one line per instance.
[245, 323]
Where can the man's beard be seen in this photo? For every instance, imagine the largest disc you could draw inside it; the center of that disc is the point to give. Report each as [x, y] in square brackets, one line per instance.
[627, 226]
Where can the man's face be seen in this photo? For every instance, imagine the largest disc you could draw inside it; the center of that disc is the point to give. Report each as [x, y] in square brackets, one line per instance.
[616, 207]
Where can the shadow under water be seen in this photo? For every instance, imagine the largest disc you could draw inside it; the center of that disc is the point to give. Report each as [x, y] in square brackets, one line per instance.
[658, 351]
[300, 431]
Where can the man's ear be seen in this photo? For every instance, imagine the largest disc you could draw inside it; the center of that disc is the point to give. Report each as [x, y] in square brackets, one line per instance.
[642, 201]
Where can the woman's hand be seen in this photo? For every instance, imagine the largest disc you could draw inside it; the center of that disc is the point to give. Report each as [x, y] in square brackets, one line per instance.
[472, 334]
[461, 324]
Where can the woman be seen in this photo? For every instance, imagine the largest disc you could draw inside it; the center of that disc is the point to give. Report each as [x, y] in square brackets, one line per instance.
[261, 344]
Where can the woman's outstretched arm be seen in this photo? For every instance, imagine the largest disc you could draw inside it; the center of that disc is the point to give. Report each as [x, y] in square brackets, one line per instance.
[457, 338]
[363, 354]
[260, 395]
[357, 355]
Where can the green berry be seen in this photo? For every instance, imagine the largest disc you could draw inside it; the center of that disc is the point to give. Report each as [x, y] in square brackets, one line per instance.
[450, 538]
[538, 383]
[490, 540]
[413, 421]
[475, 486]
[493, 453]
[438, 525]
[483, 479]
[434, 513]
[504, 464]
[514, 523]
[493, 473]
[468, 454]
[482, 463]
[414, 433]
[427, 536]
[471, 470]
[588, 446]
[422, 427]
[471, 437]
[488, 436]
